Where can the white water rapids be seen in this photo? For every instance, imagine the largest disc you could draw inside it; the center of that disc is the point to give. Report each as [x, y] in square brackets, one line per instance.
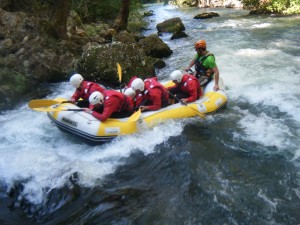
[259, 61]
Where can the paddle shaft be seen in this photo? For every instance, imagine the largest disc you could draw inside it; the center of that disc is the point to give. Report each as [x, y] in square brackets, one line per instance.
[182, 102]
[75, 110]
[174, 96]
[56, 109]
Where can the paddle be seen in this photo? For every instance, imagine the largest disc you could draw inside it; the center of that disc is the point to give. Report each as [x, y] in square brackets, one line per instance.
[135, 116]
[38, 103]
[120, 75]
[182, 102]
[55, 109]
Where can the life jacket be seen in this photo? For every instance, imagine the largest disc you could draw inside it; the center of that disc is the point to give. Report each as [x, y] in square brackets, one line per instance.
[138, 101]
[200, 69]
[87, 89]
[126, 103]
[153, 83]
[185, 83]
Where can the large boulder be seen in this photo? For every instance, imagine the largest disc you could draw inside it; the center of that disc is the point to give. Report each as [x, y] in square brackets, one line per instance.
[153, 46]
[171, 25]
[99, 63]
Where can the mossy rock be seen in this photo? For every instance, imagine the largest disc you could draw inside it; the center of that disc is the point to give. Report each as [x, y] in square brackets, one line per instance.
[99, 63]
[171, 25]
[12, 86]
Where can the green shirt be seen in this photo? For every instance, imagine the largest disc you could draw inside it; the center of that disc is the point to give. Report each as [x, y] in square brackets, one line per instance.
[209, 62]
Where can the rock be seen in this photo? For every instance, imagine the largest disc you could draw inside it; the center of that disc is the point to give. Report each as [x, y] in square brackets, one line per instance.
[7, 43]
[153, 46]
[98, 63]
[206, 15]
[260, 12]
[13, 85]
[149, 13]
[171, 25]
[179, 34]
[25, 39]
[159, 64]
[20, 52]
[5, 47]
[109, 34]
[124, 37]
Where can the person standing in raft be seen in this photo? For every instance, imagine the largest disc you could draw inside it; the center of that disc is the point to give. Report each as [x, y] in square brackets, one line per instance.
[205, 65]
[187, 87]
[83, 89]
[153, 94]
[109, 104]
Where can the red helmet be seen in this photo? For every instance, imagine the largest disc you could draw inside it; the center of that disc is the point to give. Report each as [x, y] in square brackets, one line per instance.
[200, 44]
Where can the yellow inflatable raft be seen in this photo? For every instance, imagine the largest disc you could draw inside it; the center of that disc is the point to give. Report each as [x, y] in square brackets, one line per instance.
[85, 125]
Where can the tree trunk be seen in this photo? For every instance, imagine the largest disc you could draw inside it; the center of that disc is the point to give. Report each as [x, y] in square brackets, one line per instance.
[61, 10]
[121, 21]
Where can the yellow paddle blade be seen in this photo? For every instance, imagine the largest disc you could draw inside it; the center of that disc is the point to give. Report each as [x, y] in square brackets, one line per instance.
[38, 103]
[202, 115]
[135, 116]
[119, 72]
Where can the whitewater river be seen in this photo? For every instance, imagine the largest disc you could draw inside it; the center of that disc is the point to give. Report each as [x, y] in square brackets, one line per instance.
[239, 166]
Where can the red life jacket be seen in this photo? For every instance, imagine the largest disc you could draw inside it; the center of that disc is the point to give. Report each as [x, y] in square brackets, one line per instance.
[87, 89]
[113, 102]
[189, 84]
[125, 102]
[150, 85]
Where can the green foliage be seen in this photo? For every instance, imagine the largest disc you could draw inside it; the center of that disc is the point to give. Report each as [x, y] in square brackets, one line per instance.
[294, 7]
[94, 29]
[278, 6]
[106, 10]
[92, 10]
[252, 4]
[36, 7]
[136, 21]
[274, 6]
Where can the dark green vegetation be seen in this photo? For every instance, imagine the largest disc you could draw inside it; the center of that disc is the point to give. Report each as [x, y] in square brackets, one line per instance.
[285, 7]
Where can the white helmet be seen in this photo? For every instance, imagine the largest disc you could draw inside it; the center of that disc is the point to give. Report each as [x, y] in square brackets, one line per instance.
[95, 98]
[129, 92]
[138, 84]
[176, 75]
[75, 80]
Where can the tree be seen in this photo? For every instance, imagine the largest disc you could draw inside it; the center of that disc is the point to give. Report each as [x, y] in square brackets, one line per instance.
[60, 15]
[121, 21]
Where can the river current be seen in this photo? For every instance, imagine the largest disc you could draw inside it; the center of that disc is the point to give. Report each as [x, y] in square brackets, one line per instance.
[240, 165]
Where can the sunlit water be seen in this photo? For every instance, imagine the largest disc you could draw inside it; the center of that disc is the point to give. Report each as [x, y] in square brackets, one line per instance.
[239, 166]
